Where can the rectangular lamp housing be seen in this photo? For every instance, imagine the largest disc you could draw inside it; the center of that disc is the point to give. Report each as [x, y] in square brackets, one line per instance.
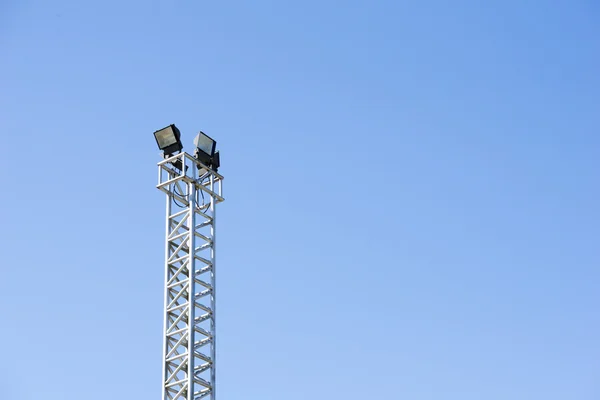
[168, 139]
[205, 144]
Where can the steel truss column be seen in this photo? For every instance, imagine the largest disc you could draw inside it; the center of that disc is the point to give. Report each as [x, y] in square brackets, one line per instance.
[189, 350]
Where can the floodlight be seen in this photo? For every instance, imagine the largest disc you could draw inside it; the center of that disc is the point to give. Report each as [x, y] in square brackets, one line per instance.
[168, 140]
[205, 152]
[205, 144]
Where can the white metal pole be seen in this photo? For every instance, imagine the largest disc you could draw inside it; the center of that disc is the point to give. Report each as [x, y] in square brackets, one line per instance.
[189, 346]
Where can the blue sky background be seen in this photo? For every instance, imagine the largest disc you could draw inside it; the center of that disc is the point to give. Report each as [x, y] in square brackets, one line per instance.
[412, 195]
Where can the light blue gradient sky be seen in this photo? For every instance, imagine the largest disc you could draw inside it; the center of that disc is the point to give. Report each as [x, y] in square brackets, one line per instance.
[412, 195]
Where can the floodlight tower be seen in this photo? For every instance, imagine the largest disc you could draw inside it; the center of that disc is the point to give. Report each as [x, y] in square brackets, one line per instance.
[193, 188]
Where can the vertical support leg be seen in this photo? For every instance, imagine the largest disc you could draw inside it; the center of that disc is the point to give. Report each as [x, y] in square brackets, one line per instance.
[191, 190]
[213, 298]
[166, 295]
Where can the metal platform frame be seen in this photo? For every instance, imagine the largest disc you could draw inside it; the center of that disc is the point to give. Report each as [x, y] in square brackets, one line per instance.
[189, 348]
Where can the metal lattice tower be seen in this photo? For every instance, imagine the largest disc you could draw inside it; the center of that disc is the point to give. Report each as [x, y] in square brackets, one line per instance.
[189, 348]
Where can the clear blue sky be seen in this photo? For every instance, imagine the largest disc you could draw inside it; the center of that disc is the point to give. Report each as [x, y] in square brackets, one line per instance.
[412, 195]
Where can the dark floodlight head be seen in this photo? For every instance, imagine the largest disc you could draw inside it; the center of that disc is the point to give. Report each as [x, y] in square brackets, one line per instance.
[205, 150]
[168, 140]
[205, 144]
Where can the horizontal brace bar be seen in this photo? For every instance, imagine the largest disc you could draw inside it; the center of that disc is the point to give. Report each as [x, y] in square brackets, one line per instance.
[176, 313]
[181, 199]
[204, 224]
[206, 182]
[177, 357]
[203, 247]
[203, 308]
[203, 293]
[177, 281]
[171, 171]
[199, 282]
[177, 197]
[204, 358]
[176, 391]
[202, 382]
[202, 259]
[211, 193]
[181, 382]
[178, 213]
[179, 307]
[202, 394]
[198, 234]
[181, 282]
[179, 236]
[170, 181]
[203, 332]
[171, 159]
[202, 368]
[203, 270]
[208, 217]
[173, 242]
[201, 343]
[162, 189]
[174, 305]
[177, 332]
[179, 259]
[202, 318]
